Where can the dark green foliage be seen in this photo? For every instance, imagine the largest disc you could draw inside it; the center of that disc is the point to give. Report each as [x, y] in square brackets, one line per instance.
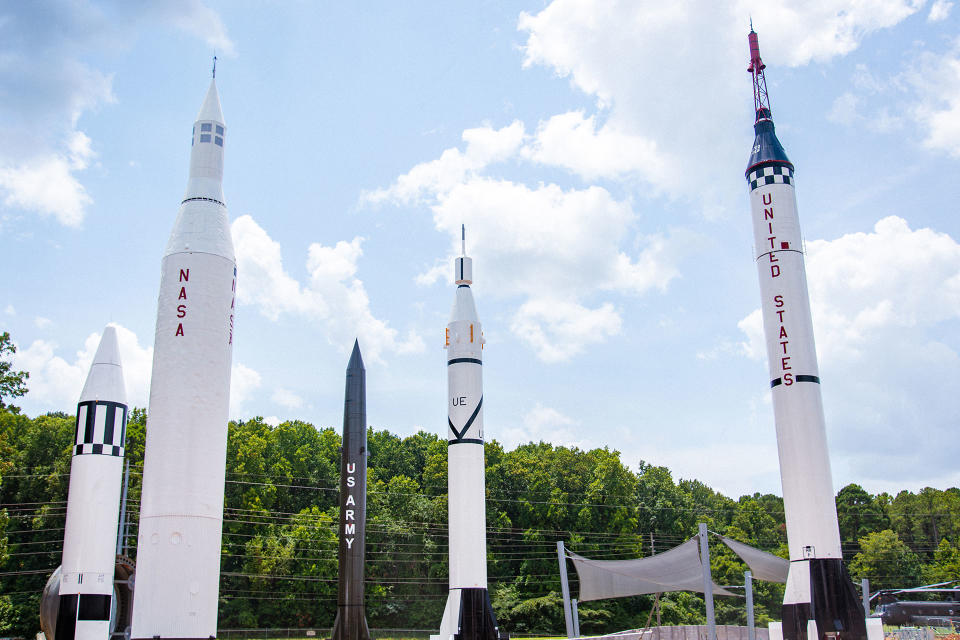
[279, 559]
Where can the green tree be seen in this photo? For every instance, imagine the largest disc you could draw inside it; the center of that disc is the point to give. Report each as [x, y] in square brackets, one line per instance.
[887, 561]
[12, 383]
[858, 514]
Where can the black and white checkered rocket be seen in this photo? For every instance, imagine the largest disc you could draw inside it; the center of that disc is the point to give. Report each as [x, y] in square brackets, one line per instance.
[93, 502]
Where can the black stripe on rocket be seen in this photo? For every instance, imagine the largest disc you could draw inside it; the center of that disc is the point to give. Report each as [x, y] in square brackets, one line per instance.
[459, 434]
[801, 378]
[109, 439]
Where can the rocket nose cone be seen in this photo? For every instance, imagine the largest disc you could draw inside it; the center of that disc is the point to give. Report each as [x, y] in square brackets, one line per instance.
[211, 105]
[109, 350]
[356, 361]
[105, 380]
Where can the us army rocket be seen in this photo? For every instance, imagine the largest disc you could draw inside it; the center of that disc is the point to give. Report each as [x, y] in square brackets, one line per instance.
[468, 614]
[819, 598]
[351, 621]
[93, 501]
[181, 506]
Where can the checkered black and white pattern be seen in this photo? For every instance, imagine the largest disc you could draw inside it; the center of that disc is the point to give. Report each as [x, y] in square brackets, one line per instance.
[770, 175]
[101, 428]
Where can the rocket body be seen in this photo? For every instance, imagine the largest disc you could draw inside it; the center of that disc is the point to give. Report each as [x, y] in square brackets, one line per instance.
[181, 512]
[819, 597]
[93, 502]
[468, 612]
[351, 621]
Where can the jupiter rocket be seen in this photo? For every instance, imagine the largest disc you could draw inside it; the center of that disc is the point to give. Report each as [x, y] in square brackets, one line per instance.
[468, 614]
[181, 507]
[351, 621]
[93, 502]
[820, 599]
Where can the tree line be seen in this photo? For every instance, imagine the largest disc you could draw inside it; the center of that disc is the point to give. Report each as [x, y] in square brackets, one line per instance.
[279, 557]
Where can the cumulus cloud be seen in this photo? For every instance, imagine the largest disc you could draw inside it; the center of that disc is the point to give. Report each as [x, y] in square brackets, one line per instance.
[935, 77]
[287, 399]
[56, 381]
[333, 295]
[939, 10]
[244, 381]
[45, 90]
[543, 424]
[882, 301]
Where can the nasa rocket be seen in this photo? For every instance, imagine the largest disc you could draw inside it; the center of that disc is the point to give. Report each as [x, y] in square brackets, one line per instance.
[468, 614]
[819, 598]
[93, 501]
[181, 506]
[351, 621]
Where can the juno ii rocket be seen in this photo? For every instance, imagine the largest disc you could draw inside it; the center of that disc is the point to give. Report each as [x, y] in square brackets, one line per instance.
[93, 503]
[181, 506]
[468, 614]
[819, 599]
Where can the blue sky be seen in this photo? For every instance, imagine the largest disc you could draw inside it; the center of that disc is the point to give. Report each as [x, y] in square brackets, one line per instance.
[595, 151]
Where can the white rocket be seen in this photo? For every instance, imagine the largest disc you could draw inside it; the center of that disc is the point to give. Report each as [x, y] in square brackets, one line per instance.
[818, 590]
[181, 506]
[93, 502]
[468, 613]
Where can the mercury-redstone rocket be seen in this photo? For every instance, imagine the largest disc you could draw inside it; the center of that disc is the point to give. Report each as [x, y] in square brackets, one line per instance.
[819, 599]
[351, 621]
[181, 506]
[93, 502]
[468, 614]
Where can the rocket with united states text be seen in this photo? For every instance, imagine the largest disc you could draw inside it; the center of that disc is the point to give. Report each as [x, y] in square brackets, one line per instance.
[819, 599]
[181, 507]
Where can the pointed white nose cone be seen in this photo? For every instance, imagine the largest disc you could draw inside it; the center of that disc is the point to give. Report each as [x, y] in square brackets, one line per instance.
[105, 380]
[210, 111]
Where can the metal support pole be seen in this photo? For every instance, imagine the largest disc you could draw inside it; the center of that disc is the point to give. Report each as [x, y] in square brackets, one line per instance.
[707, 582]
[565, 588]
[122, 529]
[865, 588]
[748, 590]
[576, 618]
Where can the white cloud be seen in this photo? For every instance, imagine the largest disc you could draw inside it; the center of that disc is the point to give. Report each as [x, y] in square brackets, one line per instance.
[42, 323]
[46, 91]
[557, 330]
[936, 80]
[273, 421]
[543, 424]
[333, 296]
[939, 10]
[9, 310]
[243, 382]
[286, 398]
[55, 383]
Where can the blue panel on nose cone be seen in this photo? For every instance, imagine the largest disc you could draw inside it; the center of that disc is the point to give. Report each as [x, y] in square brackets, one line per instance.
[766, 146]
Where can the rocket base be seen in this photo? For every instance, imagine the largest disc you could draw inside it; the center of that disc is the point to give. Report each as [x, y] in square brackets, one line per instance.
[350, 624]
[469, 616]
[834, 607]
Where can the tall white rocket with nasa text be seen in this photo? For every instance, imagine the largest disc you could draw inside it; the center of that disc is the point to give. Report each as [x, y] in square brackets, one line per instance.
[181, 508]
[93, 502]
[819, 597]
[468, 613]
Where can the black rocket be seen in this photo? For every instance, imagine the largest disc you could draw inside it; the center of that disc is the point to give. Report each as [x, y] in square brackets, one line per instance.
[351, 621]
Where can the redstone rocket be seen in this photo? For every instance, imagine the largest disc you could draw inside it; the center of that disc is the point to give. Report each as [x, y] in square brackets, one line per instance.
[351, 621]
[468, 614]
[93, 502]
[181, 506]
[819, 598]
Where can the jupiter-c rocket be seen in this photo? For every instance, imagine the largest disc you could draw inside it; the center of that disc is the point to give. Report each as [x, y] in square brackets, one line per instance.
[468, 614]
[181, 506]
[93, 503]
[819, 600]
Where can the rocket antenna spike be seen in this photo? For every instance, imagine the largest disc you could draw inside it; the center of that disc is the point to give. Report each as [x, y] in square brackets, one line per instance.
[463, 239]
[214, 65]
